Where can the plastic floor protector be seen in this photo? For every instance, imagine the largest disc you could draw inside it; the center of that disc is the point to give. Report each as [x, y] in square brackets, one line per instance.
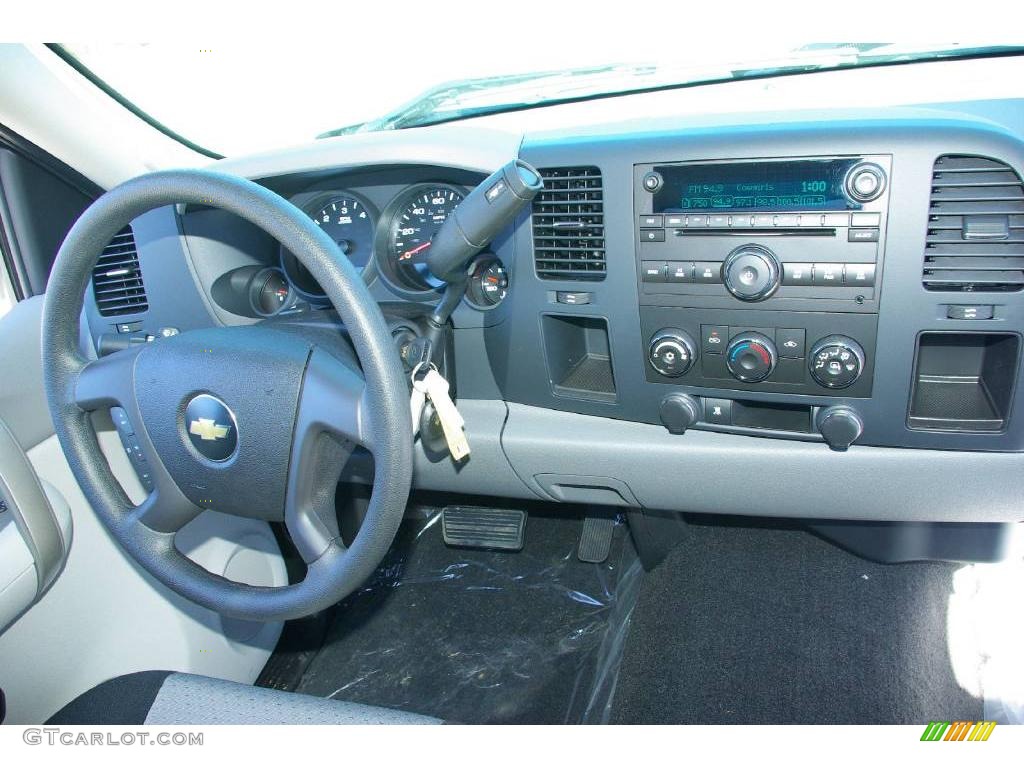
[476, 636]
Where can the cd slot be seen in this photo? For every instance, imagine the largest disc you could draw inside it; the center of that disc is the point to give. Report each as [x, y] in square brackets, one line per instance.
[801, 232]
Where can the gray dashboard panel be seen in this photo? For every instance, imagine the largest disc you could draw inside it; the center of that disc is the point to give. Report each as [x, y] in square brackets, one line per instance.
[705, 472]
[913, 137]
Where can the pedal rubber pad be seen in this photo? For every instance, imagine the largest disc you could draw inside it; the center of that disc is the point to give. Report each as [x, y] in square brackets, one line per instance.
[596, 540]
[483, 528]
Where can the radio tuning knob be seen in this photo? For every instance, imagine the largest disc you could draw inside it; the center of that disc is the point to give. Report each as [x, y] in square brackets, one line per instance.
[865, 182]
[840, 426]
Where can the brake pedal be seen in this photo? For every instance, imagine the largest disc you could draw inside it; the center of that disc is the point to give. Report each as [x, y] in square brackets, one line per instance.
[596, 539]
[483, 528]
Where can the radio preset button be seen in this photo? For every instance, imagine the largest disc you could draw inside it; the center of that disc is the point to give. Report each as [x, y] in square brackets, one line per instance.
[786, 220]
[719, 222]
[740, 221]
[837, 219]
[707, 272]
[866, 220]
[860, 275]
[696, 221]
[675, 220]
[680, 272]
[797, 274]
[828, 274]
[764, 220]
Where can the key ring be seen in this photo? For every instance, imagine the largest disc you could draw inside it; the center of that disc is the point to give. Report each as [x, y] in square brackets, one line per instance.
[416, 368]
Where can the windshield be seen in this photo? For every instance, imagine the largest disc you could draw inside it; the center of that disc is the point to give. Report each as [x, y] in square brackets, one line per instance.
[230, 100]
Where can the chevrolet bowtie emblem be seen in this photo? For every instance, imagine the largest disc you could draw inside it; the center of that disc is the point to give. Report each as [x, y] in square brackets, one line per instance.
[208, 429]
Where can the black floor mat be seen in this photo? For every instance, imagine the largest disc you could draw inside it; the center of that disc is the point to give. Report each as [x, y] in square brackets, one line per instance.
[760, 625]
[483, 637]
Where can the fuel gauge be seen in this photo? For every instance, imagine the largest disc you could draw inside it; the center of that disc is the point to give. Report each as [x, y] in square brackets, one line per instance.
[488, 282]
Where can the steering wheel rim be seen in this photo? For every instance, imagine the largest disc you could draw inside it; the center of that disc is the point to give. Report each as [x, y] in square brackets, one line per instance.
[330, 397]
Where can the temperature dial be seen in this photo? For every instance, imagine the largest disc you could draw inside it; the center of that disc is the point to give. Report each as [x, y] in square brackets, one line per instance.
[751, 357]
[671, 352]
[836, 362]
[488, 283]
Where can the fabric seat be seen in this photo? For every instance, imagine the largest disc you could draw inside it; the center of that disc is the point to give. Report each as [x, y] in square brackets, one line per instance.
[173, 698]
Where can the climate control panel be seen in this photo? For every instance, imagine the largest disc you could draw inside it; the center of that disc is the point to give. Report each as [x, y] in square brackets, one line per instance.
[810, 353]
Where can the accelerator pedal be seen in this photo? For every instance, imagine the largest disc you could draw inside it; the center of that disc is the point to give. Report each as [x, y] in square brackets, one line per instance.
[596, 540]
[483, 528]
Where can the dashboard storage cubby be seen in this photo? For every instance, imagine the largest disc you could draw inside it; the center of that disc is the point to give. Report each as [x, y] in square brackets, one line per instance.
[963, 382]
[578, 357]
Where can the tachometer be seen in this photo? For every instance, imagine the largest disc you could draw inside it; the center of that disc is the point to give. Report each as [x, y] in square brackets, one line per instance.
[412, 229]
[349, 222]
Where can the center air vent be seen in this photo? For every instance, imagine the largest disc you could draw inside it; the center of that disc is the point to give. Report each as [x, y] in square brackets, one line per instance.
[568, 225]
[117, 278]
[975, 226]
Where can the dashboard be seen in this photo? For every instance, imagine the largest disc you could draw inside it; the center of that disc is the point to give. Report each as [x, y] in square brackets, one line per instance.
[768, 314]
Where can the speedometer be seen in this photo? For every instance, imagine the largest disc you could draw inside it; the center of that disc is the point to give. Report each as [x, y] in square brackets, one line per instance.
[349, 222]
[415, 222]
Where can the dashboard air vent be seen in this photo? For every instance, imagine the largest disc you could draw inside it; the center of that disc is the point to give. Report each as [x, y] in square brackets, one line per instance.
[117, 278]
[568, 225]
[975, 226]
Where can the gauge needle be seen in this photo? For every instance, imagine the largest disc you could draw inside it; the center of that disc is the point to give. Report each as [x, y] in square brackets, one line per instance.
[409, 254]
[492, 279]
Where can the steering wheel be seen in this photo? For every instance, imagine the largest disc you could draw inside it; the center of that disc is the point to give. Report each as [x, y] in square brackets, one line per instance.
[254, 421]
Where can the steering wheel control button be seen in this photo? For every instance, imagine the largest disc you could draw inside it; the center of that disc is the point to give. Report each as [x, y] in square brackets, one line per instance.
[790, 342]
[717, 411]
[751, 273]
[751, 357]
[836, 362]
[211, 428]
[865, 182]
[671, 352]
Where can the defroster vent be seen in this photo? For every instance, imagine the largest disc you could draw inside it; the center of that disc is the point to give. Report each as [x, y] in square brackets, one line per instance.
[117, 278]
[568, 225]
[975, 226]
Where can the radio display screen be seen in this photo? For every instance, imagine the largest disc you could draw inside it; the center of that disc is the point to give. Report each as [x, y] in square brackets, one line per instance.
[795, 185]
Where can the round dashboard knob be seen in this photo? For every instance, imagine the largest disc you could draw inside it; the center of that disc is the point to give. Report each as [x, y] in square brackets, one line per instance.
[671, 352]
[679, 412]
[751, 273]
[751, 357]
[840, 426]
[865, 182]
[836, 361]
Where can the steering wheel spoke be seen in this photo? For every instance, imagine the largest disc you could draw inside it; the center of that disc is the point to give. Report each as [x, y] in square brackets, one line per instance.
[107, 382]
[165, 510]
[331, 421]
